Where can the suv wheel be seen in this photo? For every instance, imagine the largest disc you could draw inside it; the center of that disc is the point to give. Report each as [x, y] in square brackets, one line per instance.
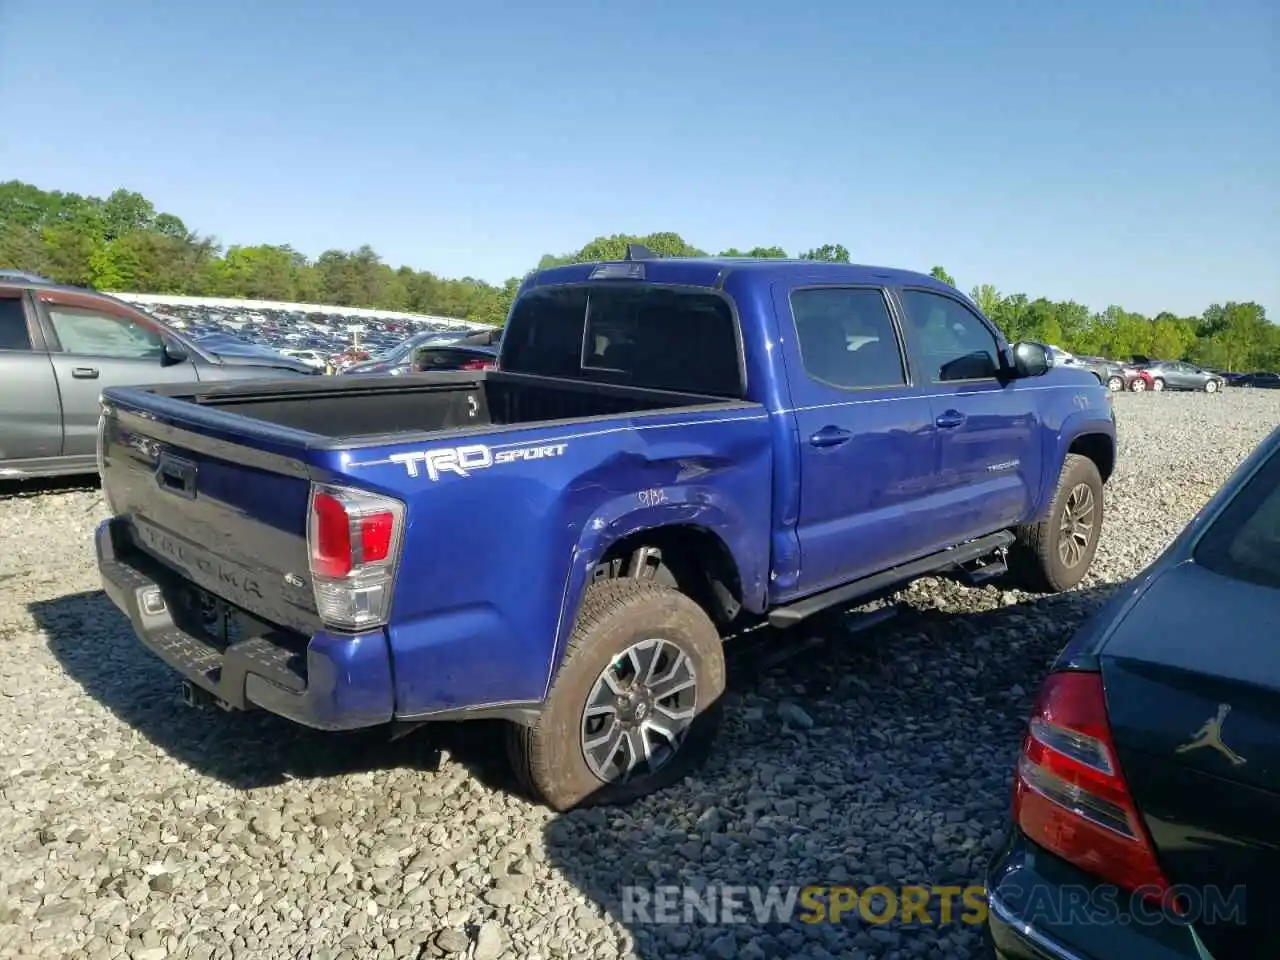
[1054, 554]
[1115, 384]
[636, 703]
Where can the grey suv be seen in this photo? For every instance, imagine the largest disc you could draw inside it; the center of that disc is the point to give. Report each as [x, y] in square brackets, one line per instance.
[1175, 375]
[59, 346]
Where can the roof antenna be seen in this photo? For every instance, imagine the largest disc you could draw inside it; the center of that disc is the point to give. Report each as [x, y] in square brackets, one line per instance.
[638, 251]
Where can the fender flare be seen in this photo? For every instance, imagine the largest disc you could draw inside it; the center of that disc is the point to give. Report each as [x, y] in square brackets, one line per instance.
[1079, 424]
[632, 513]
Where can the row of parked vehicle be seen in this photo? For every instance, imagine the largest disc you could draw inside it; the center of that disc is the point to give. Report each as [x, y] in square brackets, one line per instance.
[325, 341]
[1141, 373]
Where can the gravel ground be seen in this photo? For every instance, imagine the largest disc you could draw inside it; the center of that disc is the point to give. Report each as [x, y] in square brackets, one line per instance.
[132, 826]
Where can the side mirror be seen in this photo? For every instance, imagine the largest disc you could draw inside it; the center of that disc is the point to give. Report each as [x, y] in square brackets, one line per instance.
[1030, 359]
[173, 353]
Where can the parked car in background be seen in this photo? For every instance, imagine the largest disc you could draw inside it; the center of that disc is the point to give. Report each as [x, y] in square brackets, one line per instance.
[310, 356]
[454, 356]
[346, 358]
[399, 355]
[1262, 379]
[1176, 375]
[61, 346]
[1148, 786]
[1140, 380]
[1112, 375]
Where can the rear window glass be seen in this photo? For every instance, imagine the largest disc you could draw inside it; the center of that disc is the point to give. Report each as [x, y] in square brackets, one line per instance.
[13, 325]
[1244, 541]
[642, 335]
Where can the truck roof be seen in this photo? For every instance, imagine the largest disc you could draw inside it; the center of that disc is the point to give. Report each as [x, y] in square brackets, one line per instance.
[713, 271]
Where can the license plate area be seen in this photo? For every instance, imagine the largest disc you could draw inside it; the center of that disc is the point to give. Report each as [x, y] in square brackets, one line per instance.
[222, 623]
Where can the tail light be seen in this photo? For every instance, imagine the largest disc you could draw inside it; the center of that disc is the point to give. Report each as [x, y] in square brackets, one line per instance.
[1069, 795]
[353, 542]
[478, 365]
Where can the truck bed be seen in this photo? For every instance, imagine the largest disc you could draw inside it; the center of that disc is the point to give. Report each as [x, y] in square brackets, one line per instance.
[342, 408]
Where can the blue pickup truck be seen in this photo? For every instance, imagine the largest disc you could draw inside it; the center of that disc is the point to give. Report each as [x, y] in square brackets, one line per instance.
[667, 449]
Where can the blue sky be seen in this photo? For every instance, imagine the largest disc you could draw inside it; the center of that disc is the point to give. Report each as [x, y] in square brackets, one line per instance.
[1107, 152]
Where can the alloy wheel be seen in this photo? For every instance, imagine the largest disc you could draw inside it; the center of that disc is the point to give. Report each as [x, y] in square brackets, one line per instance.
[639, 710]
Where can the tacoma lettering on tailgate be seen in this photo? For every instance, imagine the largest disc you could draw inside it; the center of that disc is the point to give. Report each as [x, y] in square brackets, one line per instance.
[190, 556]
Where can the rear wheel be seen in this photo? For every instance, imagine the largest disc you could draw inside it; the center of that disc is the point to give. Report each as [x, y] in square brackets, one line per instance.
[1115, 384]
[1138, 386]
[636, 704]
[1157, 385]
[1054, 554]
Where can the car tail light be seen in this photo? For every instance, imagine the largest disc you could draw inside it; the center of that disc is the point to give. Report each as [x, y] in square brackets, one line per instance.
[1069, 794]
[478, 365]
[353, 543]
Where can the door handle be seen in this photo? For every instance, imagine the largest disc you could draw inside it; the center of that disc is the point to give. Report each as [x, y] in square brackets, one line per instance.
[949, 420]
[176, 476]
[831, 437]
[84, 373]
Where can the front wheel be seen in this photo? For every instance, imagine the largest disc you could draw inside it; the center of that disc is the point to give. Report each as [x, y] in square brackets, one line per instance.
[1211, 386]
[1138, 385]
[1053, 555]
[1115, 384]
[1157, 385]
[636, 704]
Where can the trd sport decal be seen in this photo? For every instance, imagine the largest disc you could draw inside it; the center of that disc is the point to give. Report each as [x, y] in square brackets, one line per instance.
[464, 460]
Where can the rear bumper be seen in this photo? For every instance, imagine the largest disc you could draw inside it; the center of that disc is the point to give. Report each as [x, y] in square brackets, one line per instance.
[1043, 908]
[329, 681]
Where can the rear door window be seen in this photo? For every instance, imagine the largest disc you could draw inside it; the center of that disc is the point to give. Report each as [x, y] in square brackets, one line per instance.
[847, 338]
[14, 332]
[642, 335]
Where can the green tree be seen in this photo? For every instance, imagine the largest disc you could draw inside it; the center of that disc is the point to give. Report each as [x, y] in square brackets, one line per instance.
[122, 244]
[830, 252]
[938, 273]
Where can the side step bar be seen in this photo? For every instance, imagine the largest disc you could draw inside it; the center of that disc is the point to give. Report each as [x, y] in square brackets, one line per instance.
[863, 589]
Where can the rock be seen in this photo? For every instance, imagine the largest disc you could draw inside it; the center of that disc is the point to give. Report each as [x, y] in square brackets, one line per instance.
[489, 942]
[794, 716]
[452, 942]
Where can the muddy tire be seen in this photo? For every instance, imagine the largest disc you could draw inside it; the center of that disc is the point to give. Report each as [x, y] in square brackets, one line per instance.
[1053, 555]
[643, 676]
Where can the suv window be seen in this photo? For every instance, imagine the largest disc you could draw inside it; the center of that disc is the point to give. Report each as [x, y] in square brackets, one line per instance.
[95, 334]
[847, 338]
[14, 334]
[1244, 541]
[643, 335]
[954, 343]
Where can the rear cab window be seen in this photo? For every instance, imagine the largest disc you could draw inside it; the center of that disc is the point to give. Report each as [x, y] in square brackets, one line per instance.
[682, 339]
[1243, 542]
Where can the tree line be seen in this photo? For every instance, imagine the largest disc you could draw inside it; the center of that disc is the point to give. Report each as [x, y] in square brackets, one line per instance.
[123, 243]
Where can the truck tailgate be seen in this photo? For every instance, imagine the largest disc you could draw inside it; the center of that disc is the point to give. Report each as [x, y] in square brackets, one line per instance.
[227, 513]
